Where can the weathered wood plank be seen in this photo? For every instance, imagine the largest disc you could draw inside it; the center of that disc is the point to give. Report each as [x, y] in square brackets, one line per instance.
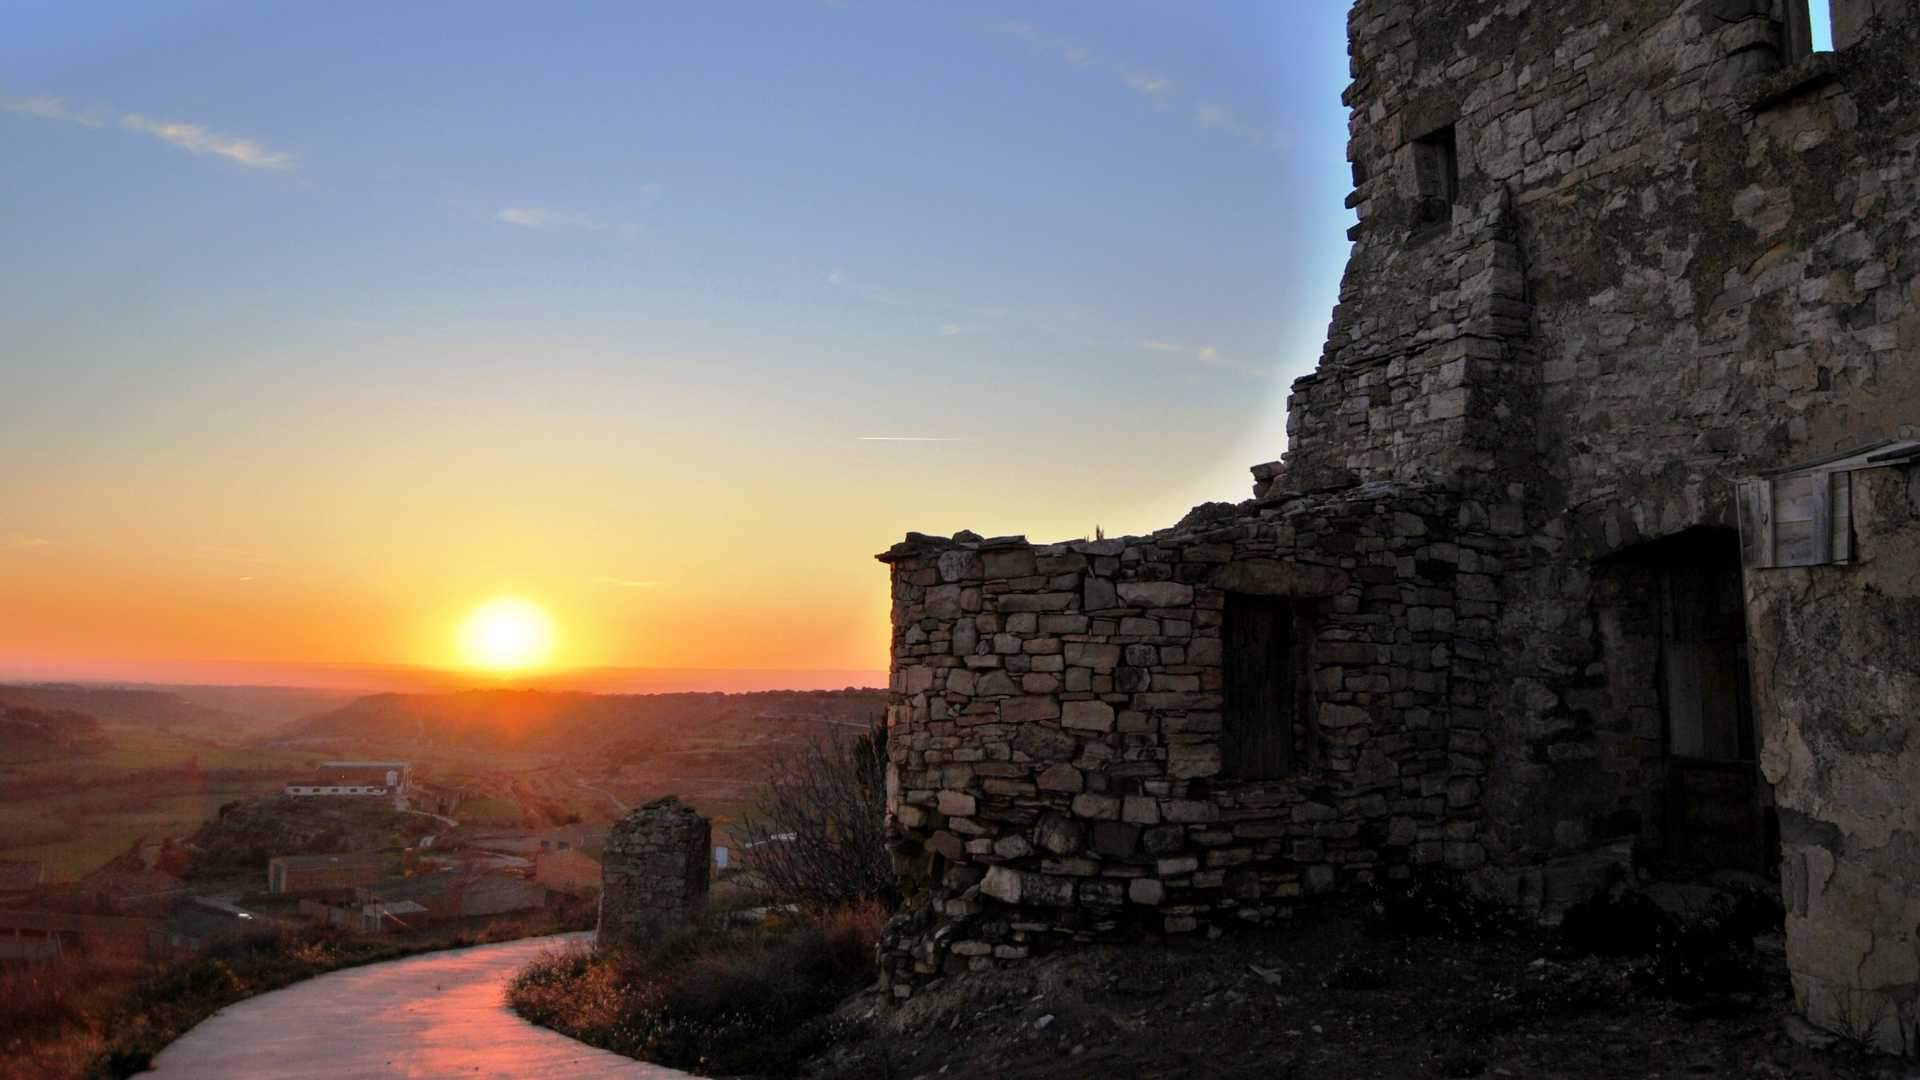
[1754, 500]
[1261, 687]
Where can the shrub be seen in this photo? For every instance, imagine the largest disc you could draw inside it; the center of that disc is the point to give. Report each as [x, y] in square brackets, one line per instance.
[816, 834]
[746, 1000]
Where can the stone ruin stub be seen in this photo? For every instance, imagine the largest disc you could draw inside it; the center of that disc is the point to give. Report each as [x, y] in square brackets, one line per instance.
[654, 871]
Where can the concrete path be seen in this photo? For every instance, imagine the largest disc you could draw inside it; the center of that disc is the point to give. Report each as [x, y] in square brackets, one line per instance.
[438, 1015]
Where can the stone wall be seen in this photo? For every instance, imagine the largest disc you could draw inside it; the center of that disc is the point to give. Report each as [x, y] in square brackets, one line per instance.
[1673, 257]
[1611, 256]
[1840, 696]
[1688, 243]
[1057, 768]
[654, 871]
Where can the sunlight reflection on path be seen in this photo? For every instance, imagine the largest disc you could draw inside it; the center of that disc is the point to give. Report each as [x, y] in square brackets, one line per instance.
[438, 1015]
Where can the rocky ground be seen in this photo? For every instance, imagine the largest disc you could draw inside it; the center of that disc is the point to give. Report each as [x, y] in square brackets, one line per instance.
[1330, 997]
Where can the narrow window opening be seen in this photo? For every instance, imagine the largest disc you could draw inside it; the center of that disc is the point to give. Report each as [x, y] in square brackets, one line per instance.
[1819, 19]
[1807, 25]
[1265, 660]
[1436, 170]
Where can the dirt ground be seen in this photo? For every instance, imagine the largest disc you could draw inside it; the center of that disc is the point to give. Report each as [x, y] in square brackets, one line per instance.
[1329, 998]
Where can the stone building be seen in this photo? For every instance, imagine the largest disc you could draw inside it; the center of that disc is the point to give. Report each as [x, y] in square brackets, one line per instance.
[1628, 277]
[654, 871]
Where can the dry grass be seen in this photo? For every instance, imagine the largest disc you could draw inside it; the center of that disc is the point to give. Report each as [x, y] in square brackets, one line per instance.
[106, 1015]
[750, 1000]
[51, 1014]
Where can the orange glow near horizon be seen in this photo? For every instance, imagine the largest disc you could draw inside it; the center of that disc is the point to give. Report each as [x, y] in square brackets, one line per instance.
[507, 635]
[348, 543]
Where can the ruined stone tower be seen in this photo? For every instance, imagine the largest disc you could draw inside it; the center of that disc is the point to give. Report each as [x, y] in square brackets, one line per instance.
[1631, 285]
[654, 871]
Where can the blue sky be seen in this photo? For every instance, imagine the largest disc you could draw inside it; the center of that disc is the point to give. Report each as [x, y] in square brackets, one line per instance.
[293, 278]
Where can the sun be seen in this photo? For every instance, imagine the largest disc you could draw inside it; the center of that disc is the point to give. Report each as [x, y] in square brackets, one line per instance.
[506, 635]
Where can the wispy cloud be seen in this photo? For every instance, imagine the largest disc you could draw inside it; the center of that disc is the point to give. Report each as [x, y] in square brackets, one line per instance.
[1203, 353]
[21, 540]
[1204, 356]
[626, 583]
[193, 137]
[951, 316]
[1215, 116]
[908, 438]
[544, 217]
[550, 219]
[1158, 87]
[1139, 79]
[240, 151]
[50, 108]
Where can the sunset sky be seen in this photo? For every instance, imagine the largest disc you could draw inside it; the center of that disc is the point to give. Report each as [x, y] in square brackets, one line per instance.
[325, 323]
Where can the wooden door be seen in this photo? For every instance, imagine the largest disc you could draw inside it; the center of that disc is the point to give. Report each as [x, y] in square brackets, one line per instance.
[1715, 810]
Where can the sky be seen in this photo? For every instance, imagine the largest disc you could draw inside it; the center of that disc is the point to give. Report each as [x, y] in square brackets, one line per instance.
[327, 323]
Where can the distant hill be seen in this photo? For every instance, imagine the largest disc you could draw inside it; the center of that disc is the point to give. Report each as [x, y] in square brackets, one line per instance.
[114, 705]
[269, 707]
[29, 734]
[579, 724]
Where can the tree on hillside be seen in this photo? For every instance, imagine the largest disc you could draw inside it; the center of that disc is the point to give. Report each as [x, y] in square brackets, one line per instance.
[816, 835]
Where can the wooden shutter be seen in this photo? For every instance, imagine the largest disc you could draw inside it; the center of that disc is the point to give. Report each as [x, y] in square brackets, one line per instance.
[1262, 686]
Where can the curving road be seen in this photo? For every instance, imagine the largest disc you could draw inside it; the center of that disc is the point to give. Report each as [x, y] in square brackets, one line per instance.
[437, 1015]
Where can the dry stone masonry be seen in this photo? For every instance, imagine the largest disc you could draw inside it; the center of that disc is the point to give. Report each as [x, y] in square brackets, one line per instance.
[654, 871]
[1574, 561]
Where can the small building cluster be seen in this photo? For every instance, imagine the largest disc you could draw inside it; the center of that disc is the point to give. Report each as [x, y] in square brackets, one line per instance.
[401, 904]
[354, 778]
[468, 873]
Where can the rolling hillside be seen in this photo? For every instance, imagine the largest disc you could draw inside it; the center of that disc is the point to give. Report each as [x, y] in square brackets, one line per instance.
[30, 734]
[575, 725]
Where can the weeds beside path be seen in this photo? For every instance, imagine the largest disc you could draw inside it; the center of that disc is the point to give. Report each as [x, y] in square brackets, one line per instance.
[106, 1017]
[753, 1000]
[438, 1015]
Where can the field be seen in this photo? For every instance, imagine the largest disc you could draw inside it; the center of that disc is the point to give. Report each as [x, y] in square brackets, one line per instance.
[494, 759]
[78, 812]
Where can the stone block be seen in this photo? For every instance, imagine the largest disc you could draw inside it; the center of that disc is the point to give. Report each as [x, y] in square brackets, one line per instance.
[1191, 761]
[1088, 805]
[1011, 563]
[1060, 834]
[1087, 715]
[1156, 594]
[1061, 777]
[1140, 809]
[1026, 710]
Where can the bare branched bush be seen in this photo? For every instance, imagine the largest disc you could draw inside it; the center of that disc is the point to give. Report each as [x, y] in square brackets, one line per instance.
[816, 837]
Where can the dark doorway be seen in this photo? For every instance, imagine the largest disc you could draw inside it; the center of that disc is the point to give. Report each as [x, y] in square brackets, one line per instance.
[1716, 802]
[1265, 680]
